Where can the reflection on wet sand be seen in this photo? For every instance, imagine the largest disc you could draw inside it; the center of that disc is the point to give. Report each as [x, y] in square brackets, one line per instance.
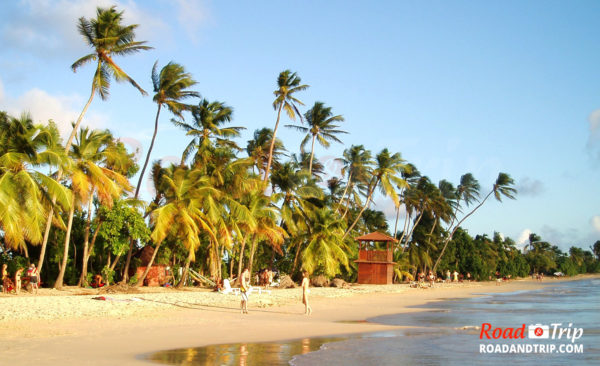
[241, 354]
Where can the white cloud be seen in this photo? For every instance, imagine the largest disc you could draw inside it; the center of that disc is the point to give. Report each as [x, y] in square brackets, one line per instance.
[63, 109]
[523, 238]
[192, 14]
[595, 221]
[49, 27]
[530, 187]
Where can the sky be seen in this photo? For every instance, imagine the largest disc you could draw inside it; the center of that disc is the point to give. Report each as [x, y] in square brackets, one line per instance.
[454, 86]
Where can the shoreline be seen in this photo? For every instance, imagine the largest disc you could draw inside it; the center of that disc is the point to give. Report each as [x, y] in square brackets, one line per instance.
[123, 331]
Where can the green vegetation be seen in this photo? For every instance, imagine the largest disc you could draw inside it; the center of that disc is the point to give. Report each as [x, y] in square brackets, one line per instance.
[223, 208]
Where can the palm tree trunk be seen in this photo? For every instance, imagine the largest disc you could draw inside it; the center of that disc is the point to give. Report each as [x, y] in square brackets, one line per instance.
[348, 202]
[371, 191]
[396, 224]
[140, 281]
[114, 263]
[58, 178]
[76, 126]
[82, 278]
[272, 145]
[251, 260]
[241, 261]
[61, 274]
[186, 271]
[137, 191]
[296, 256]
[457, 226]
[406, 221]
[46, 236]
[345, 191]
[312, 154]
[407, 238]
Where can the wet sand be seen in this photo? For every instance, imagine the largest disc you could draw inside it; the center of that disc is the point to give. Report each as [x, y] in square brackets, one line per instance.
[70, 328]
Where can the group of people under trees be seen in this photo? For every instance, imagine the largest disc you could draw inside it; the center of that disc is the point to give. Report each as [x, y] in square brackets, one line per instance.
[18, 281]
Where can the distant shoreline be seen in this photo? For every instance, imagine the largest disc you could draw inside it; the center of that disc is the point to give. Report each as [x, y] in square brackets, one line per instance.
[74, 329]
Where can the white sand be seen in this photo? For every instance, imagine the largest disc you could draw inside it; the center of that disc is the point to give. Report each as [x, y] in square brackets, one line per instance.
[70, 328]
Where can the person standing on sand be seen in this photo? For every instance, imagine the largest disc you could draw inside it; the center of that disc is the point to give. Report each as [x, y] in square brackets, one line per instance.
[244, 289]
[447, 275]
[4, 278]
[18, 280]
[33, 277]
[305, 284]
[455, 274]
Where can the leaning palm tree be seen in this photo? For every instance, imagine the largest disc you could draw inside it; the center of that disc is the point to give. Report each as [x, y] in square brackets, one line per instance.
[503, 187]
[181, 217]
[288, 83]
[321, 127]
[386, 174]
[170, 88]
[108, 37]
[89, 177]
[258, 149]
[207, 130]
[357, 165]
[24, 190]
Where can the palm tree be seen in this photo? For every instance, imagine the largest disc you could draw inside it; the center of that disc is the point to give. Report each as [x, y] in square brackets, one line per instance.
[325, 252]
[208, 120]
[357, 165]
[258, 148]
[503, 187]
[181, 216]
[170, 88]
[114, 157]
[108, 37]
[321, 127]
[288, 83]
[90, 177]
[385, 176]
[24, 190]
[296, 191]
[411, 175]
[264, 215]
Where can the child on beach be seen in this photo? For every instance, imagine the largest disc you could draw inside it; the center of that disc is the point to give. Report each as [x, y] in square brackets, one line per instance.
[305, 291]
[244, 289]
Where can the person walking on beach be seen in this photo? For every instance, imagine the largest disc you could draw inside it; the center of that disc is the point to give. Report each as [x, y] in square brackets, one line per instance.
[305, 284]
[447, 275]
[455, 274]
[244, 290]
[33, 277]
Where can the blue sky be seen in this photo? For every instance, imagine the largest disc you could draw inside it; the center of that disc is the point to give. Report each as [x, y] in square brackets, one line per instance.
[456, 87]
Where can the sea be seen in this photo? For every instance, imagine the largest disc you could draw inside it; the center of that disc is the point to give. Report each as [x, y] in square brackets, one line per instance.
[447, 332]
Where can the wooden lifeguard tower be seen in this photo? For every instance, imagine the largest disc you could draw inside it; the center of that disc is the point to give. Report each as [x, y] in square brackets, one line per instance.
[375, 266]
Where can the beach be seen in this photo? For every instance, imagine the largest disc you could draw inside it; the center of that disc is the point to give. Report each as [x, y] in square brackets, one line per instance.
[71, 328]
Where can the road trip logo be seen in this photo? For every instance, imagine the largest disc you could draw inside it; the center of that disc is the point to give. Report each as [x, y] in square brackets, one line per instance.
[556, 338]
